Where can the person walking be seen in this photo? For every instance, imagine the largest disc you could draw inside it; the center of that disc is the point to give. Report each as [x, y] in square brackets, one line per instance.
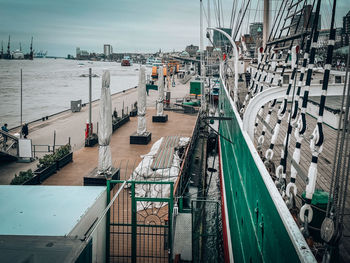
[5, 129]
[247, 79]
[25, 130]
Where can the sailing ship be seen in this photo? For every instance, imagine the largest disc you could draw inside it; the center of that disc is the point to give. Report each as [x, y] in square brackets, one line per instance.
[17, 54]
[281, 201]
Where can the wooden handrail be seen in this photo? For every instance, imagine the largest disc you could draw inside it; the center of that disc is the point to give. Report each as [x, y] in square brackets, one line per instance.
[184, 158]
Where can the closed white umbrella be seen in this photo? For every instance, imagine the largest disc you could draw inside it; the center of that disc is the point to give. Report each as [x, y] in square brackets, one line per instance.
[105, 127]
[160, 92]
[141, 102]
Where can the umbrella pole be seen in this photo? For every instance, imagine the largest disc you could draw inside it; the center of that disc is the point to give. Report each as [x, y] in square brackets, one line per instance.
[90, 95]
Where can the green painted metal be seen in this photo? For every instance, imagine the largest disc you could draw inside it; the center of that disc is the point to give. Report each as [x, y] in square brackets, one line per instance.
[140, 229]
[108, 221]
[151, 86]
[170, 234]
[258, 232]
[195, 87]
[139, 182]
[134, 224]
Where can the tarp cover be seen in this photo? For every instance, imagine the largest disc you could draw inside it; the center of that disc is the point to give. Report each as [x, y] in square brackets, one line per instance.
[105, 127]
[141, 102]
[143, 172]
[160, 92]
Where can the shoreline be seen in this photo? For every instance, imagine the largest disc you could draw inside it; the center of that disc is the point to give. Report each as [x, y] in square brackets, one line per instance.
[67, 110]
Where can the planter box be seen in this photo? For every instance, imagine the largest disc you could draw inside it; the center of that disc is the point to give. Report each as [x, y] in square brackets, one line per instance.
[64, 160]
[91, 141]
[46, 172]
[120, 122]
[133, 113]
[35, 180]
[140, 139]
[94, 179]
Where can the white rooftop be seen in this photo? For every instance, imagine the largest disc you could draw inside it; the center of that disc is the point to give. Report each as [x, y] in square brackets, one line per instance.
[44, 210]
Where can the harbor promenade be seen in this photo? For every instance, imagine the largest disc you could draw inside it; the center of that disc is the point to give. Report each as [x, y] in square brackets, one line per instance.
[72, 125]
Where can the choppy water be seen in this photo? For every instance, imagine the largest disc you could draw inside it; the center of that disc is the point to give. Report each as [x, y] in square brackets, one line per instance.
[50, 84]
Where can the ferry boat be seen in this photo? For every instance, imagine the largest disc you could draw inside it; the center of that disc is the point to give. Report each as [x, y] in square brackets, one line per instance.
[126, 61]
[151, 61]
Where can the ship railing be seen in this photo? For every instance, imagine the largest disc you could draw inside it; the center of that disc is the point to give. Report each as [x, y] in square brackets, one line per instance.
[8, 143]
[184, 176]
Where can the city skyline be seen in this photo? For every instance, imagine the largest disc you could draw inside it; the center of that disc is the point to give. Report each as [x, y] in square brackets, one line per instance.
[129, 26]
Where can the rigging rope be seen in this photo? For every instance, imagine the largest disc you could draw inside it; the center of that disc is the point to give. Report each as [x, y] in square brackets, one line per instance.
[295, 111]
[316, 142]
[264, 59]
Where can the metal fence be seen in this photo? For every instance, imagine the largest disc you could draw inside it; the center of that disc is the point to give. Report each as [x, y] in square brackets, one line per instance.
[139, 228]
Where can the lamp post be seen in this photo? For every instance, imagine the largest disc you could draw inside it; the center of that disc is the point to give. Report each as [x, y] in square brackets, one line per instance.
[21, 104]
[235, 57]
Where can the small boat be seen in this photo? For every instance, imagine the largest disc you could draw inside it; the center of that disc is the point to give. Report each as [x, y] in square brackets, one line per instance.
[17, 54]
[126, 61]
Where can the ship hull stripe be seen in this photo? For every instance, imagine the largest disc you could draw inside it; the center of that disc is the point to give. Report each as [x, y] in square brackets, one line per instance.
[228, 253]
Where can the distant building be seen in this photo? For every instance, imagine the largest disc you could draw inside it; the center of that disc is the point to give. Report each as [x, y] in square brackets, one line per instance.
[256, 31]
[220, 41]
[323, 37]
[209, 49]
[78, 52]
[304, 21]
[346, 30]
[255, 38]
[184, 54]
[346, 23]
[191, 50]
[107, 50]
[82, 54]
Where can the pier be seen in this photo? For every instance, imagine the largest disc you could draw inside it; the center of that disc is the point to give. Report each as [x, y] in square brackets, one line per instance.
[71, 126]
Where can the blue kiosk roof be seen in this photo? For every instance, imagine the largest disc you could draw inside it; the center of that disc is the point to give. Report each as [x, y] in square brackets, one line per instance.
[44, 210]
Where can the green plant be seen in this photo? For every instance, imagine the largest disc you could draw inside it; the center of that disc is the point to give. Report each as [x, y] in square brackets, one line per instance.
[62, 151]
[22, 177]
[46, 161]
[49, 159]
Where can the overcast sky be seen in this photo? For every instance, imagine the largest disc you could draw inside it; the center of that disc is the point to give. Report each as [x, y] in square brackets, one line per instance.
[59, 26]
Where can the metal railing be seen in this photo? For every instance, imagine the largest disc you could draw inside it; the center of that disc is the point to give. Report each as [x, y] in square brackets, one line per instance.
[183, 177]
[137, 228]
[44, 148]
[8, 143]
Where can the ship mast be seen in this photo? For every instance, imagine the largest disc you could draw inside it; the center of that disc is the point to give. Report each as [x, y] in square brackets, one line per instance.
[8, 47]
[266, 23]
[31, 49]
[202, 73]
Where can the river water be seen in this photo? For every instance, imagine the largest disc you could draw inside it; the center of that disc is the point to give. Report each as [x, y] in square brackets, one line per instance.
[50, 84]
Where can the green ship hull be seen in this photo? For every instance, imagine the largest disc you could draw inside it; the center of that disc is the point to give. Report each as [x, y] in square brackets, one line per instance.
[258, 226]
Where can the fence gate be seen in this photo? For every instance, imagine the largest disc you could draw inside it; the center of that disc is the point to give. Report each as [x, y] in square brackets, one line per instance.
[140, 222]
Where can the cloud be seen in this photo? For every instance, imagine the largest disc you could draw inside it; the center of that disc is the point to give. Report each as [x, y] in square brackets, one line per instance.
[129, 25]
